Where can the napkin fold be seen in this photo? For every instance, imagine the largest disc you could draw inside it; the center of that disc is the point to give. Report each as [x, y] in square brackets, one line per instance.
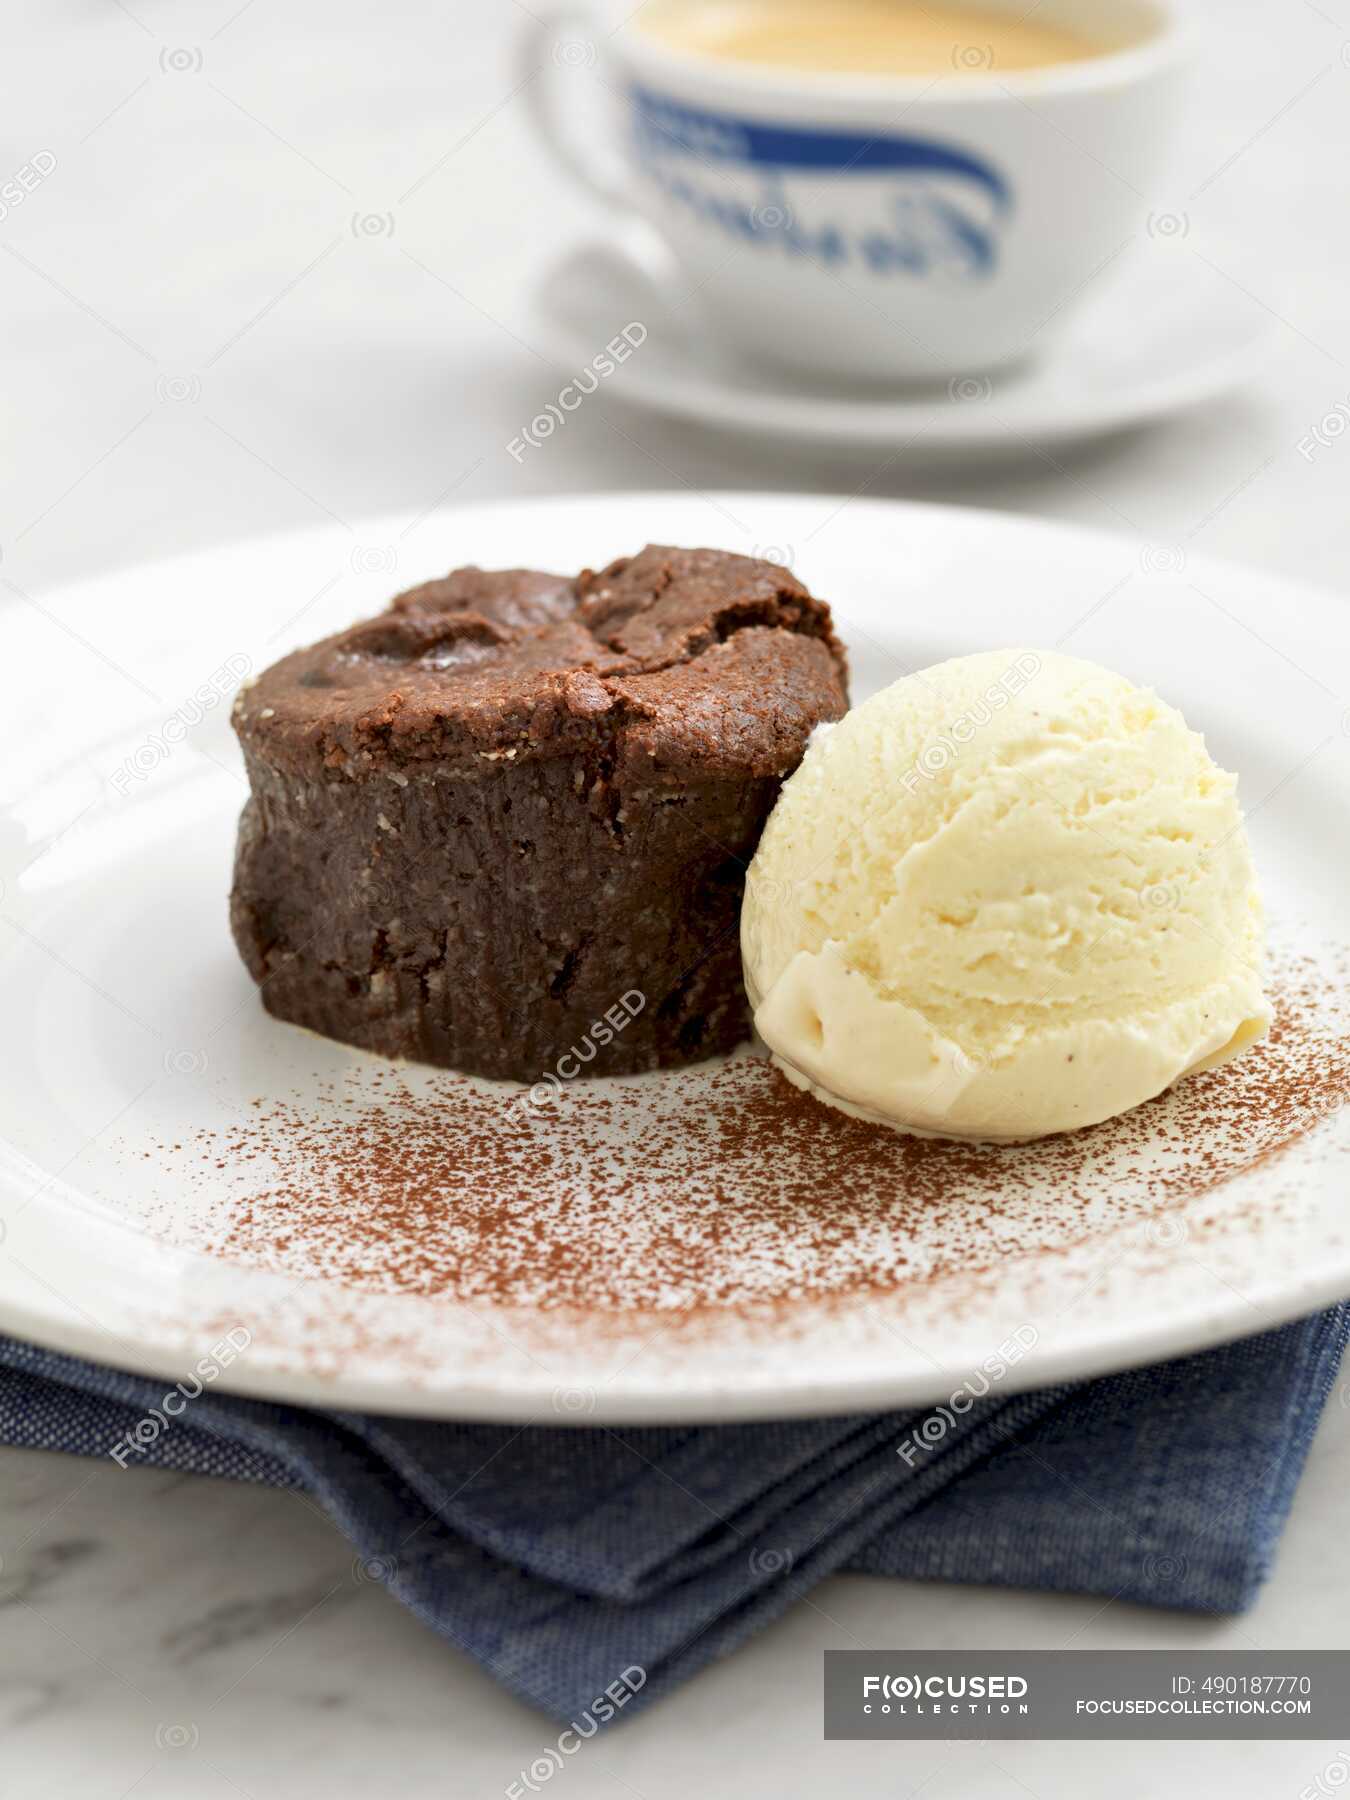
[570, 1560]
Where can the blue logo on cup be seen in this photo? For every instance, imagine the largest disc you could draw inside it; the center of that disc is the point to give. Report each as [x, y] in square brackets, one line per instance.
[940, 207]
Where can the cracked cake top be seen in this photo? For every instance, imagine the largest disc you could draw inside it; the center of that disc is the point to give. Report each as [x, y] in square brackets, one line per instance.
[681, 661]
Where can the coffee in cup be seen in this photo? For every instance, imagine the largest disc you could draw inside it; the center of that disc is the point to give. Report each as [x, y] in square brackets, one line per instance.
[863, 37]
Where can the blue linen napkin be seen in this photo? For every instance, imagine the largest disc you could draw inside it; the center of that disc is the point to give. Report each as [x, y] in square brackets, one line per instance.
[569, 1561]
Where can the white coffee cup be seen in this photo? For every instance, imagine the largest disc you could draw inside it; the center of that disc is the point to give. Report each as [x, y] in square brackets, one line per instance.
[871, 229]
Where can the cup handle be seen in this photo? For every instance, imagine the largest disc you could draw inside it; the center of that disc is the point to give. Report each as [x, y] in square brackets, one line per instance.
[596, 168]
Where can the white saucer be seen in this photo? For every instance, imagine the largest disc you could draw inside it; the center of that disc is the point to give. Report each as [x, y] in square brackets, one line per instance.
[1167, 331]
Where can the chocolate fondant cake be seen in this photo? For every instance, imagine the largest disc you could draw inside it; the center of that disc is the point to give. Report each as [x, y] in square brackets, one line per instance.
[514, 804]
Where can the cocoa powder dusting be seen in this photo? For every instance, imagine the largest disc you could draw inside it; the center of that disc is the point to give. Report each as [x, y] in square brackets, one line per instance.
[723, 1186]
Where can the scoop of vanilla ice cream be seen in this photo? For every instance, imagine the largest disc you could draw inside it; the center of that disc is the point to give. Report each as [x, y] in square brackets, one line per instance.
[1008, 896]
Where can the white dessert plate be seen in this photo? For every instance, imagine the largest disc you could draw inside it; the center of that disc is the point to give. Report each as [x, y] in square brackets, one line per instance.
[137, 1057]
[1164, 329]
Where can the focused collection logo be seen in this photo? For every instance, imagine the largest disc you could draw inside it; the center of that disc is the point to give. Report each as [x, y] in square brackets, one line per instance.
[965, 1694]
[977, 1696]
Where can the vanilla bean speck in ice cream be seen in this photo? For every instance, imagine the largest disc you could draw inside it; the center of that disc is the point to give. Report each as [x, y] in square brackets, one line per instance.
[1007, 896]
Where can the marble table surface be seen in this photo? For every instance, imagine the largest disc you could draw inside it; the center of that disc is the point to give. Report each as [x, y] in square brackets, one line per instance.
[170, 1636]
[204, 338]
